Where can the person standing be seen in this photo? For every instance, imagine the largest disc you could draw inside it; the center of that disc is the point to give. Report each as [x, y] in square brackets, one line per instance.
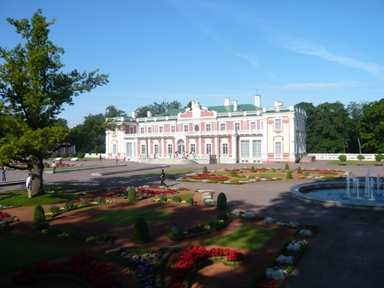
[53, 167]
[28, 185]
[3, 176]
[116, 159]
[100, 157]
[162, 178]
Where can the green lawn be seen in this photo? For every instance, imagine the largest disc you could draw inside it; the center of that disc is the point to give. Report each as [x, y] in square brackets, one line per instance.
[20, 198]
[247, 237]
[355, 163]
[128, 217]
[18, 252]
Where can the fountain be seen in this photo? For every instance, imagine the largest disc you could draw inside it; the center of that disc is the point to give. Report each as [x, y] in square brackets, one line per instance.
[345, 194]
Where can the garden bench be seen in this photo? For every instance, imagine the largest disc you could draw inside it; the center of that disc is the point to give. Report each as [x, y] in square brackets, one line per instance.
[74, 159]
[58, 159]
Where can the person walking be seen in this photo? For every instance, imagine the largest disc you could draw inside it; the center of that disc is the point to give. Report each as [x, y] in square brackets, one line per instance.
[162, 178]
[28, 185]
[3, 176]
[54, 167]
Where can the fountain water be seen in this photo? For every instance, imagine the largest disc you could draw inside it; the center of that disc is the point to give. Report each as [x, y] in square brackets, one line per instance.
[345, 194]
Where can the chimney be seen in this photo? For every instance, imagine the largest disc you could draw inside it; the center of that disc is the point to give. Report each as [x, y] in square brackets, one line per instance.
[235, 105]
[275, 103]
[258, 100]
[149, 114]
[226, 102]
[133, 114]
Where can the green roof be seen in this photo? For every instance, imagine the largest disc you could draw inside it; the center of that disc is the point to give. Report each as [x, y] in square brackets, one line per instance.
[218, 109]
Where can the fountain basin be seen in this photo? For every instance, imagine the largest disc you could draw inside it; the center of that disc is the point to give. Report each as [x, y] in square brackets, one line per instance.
[333, 194]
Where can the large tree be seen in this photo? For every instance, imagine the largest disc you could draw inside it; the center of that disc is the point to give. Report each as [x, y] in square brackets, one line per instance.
[371, 127]
[33, 90]
[157, 108]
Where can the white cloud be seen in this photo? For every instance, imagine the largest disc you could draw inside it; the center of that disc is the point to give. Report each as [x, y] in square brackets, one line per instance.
[318, 51]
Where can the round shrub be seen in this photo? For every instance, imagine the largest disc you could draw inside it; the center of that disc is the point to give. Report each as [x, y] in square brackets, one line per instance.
[132, 195]
[56, 155]
[343, 158]
[38, 215]
[80, 155]
[141, 231]
[360, 157]
[73, 155]
[299, 170]
[205, 169]
[221, 201]
[64, 155]
[289, 174]
[379, 157]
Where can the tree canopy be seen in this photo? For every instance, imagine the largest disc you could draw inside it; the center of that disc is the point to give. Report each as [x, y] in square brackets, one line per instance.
[157, 108]
[33, 90]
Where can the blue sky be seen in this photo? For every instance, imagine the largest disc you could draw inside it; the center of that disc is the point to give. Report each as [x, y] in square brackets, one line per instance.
[154, 51]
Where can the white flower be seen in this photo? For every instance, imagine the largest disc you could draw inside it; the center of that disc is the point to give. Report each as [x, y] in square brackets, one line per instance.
[296, 245]
[305, 232]
[269, 220]
[277, 274]
[236, 212]
[284, 260]
[248, 215]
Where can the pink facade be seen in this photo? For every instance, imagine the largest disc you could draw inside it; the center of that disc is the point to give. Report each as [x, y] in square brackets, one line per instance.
[241, 133]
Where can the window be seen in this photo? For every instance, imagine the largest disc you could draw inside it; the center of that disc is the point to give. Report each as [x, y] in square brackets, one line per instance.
[253, 126]
[62, 150]
[237, 126]
[156, 149]
[261, 125]
[185, 128]
[244, 148]
[114, 149]
[114, 133]
[173, 129]
[277, 148]
[256, 148]
[208, 148]
[197, 128]
[225, 148]
[149, 130]
[169, 148]
[143, 149]
[161, 129]
[208, 127]
[278, 124]
[142, 130]
[193, 148]
[222, 126]
[129, 150]
[72, 149]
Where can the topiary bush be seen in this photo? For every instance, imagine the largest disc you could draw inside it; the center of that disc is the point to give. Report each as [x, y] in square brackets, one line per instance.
[56, 155]
[360, 157]
[38, 215]
[222, 201]
[64, 155]
[379, 157]
[253, 169]
[205, 169]
[289, 174]
[299, 170]
[141, 232]
[343, 158]
[286, 167]
[132, 195]
[80, 155]
[233, 173]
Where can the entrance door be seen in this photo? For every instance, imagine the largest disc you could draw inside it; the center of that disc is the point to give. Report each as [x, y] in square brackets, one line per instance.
[180, 147]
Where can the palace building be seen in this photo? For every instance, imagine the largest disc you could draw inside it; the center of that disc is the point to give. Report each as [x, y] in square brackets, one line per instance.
[229, 133]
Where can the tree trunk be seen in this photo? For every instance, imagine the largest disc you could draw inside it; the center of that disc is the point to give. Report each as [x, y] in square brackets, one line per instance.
[358, 141]
[37, 176]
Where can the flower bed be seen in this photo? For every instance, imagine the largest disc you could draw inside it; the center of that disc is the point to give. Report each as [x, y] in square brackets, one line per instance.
[275, 274]
[189, 259]
[156, 190]
[300, 230]
[83, 266]
[145, 264]
[6, 219]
